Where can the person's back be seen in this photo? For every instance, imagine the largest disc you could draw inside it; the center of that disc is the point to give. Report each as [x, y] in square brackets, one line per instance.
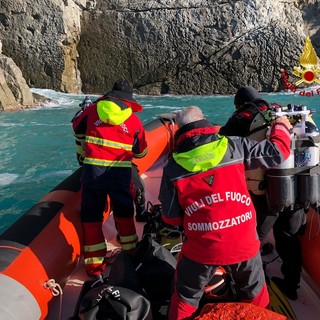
[219, 185]
[121, 90]
[203, 188]
[113, 136]
[107, 120]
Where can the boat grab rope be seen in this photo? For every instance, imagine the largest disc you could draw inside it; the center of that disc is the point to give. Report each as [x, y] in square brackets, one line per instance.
[56, 290]
[54, 287]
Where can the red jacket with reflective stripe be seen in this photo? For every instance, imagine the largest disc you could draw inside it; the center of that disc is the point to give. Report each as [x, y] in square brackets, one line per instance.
[214, 205]
[219, 217]
[108, 144]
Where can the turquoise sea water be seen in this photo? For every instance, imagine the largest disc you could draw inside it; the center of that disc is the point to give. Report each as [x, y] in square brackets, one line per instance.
[37, 148]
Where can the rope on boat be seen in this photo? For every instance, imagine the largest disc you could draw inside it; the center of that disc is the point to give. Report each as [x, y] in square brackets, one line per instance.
[56, 290]
[176, 248]
[54, 287]
[99, 279]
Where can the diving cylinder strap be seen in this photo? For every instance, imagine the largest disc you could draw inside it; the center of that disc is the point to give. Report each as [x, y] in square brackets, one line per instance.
[308, 182]
[281, 186]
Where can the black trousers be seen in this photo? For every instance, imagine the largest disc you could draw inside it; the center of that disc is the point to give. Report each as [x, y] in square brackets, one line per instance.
[286, 230]
[265, 217]
[287, 226]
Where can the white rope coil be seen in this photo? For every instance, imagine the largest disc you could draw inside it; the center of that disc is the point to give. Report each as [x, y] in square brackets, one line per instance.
[54, 287]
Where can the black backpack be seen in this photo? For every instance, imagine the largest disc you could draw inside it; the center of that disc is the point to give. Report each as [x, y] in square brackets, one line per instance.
[108, 302]
[139, 285]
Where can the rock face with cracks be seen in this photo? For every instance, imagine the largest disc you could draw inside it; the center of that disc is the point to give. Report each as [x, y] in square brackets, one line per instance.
[14, 91]
[164, 46]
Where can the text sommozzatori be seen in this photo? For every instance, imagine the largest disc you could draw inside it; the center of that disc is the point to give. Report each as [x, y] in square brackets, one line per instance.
[221, 224]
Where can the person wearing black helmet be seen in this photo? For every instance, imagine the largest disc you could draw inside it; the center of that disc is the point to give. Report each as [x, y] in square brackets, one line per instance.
[250, 108]
[113, 136]
[123, 90]
[251, 120]
[248, 103]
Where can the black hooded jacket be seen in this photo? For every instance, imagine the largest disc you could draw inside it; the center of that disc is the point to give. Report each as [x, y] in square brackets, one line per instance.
[248, 104]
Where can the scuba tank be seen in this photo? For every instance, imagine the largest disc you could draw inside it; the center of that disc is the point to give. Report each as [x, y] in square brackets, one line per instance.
[307, 156]
[296, 180]
[281, 184]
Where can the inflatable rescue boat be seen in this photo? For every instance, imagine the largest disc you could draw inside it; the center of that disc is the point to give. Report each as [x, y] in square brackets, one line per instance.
[39, 252]
[41, 264]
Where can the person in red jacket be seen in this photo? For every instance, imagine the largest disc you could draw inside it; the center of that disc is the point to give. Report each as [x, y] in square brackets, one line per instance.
[203, 189]
[113, 136]
[137, 184]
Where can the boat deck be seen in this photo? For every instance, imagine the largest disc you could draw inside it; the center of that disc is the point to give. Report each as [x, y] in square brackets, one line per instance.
[307, 307]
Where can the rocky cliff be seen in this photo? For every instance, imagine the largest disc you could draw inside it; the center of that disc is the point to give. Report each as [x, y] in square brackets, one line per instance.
[164, 46]
[14, 91]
